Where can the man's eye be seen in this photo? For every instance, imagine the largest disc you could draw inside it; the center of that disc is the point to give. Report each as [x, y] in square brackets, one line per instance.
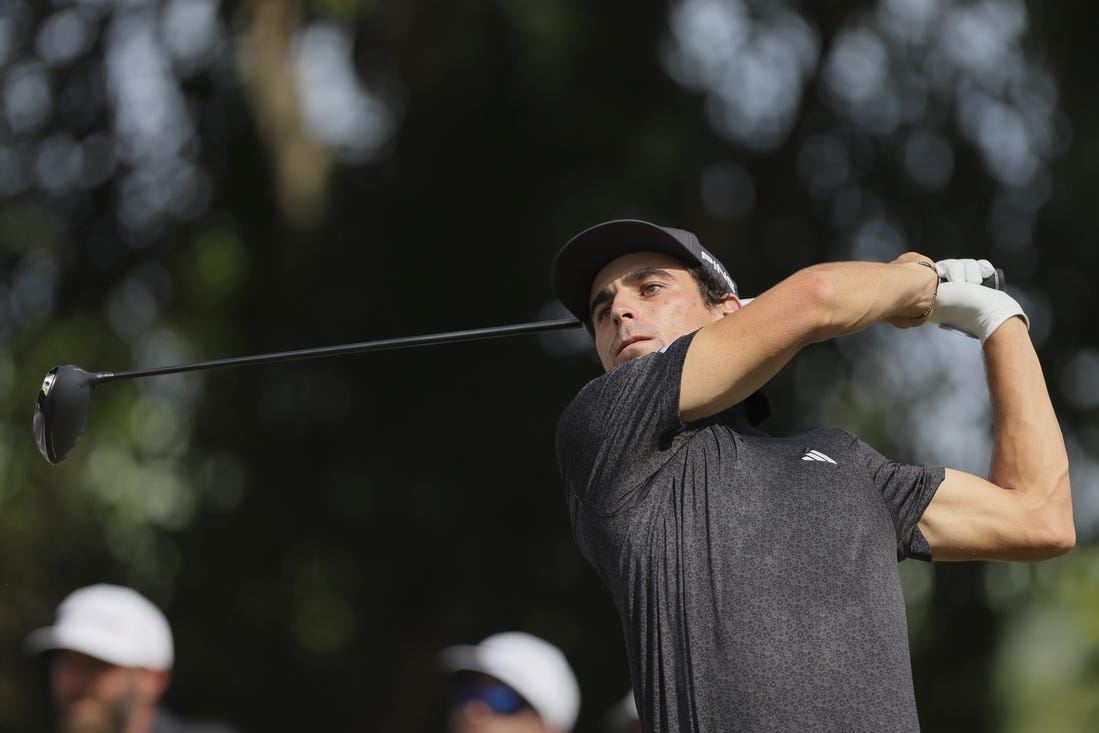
[601, 314]
[650, 288]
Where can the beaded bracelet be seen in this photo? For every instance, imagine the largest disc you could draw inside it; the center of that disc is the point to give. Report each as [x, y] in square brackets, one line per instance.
[935, 295]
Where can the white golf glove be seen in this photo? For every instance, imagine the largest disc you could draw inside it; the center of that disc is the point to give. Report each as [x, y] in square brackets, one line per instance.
[964, 271]
[963, 304]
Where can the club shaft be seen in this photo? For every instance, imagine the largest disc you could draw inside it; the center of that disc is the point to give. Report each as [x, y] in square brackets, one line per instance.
[404, 342]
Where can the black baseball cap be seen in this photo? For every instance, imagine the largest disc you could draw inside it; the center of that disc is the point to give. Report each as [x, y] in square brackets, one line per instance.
[580, 260]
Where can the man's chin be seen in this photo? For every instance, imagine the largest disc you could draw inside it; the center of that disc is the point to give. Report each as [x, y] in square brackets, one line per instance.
[93, 718]
[636, 350]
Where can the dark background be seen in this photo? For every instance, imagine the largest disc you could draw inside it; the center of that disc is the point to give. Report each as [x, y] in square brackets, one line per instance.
[187, 180]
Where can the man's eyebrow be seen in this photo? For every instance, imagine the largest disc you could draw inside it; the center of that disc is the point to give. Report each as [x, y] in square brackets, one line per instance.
[636, 276]
[645, 273]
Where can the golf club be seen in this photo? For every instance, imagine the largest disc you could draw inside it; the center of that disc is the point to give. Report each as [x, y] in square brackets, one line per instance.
[62, 407]
[64, 401]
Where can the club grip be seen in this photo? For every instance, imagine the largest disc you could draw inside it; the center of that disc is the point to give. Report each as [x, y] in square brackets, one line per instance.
[995, 280]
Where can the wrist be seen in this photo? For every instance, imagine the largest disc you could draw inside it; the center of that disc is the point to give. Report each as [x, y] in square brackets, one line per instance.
[976, 310]
[934, 293]
[1006, 319]
[1016, 323]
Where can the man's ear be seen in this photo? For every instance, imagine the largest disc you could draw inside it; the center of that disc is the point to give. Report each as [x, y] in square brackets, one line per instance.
[729, 304]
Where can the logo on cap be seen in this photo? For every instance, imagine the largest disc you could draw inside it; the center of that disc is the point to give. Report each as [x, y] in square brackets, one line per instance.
[718, 268]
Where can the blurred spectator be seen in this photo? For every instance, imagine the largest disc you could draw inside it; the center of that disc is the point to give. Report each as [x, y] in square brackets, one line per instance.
[110, 655]
[510, 683]
[622, 716]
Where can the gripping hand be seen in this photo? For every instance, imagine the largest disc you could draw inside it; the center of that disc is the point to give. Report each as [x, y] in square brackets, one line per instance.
[963, 304]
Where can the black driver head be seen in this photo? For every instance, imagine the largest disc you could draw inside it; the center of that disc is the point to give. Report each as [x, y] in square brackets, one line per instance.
[61, 410]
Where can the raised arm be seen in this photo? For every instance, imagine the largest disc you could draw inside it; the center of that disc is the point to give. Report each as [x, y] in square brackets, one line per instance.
[733, 357]
[1024, 510]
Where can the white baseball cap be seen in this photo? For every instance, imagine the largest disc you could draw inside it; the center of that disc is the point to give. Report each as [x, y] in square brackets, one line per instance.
[111, 623]
[534, 668]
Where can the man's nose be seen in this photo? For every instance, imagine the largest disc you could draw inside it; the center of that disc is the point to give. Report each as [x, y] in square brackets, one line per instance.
[623, 308]
[473, 714]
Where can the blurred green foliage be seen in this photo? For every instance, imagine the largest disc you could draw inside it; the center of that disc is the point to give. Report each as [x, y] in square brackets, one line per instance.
[317, 531]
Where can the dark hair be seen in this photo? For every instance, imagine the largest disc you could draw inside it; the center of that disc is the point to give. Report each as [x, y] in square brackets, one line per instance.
[712, 288]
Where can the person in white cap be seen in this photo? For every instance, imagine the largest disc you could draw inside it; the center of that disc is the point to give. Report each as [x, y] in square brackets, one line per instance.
[511, 682]
[110, 655]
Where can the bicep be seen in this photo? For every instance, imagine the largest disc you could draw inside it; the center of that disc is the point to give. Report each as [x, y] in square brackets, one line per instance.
[733, 357]
[730, 359]
[970, 518]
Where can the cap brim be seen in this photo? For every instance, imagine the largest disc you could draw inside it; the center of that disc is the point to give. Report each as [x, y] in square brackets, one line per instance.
[460, 659]
[472, 659]
[580, 260]
[89, 641]
[532, 667]
[40, 640]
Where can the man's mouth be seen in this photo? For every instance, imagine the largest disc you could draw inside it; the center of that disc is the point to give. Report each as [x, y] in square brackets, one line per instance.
[631, 340]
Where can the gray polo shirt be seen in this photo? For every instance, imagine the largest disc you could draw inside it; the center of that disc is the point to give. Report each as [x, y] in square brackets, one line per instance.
[756, 577]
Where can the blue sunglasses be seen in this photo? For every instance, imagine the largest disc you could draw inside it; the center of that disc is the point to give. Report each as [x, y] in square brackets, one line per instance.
[497, 696]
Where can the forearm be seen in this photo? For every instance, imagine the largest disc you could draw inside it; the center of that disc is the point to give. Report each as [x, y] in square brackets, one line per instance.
[850, 296]
[733, 357]
[1029, 455]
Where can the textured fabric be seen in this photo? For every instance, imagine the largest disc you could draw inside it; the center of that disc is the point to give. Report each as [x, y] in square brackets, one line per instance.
[757, 582]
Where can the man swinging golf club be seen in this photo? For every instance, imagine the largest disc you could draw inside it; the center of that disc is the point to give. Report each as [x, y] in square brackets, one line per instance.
[756, 576]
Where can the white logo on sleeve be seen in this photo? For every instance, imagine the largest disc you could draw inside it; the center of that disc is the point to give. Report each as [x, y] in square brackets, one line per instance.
[816, 455]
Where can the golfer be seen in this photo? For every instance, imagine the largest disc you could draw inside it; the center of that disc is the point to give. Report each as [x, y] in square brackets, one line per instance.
[756, 576]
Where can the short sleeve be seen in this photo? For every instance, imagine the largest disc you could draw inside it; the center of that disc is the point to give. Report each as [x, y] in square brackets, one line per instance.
[907, 490]
[617, 432]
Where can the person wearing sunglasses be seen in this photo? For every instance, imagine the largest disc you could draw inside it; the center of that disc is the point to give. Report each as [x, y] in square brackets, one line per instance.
[511, 682]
